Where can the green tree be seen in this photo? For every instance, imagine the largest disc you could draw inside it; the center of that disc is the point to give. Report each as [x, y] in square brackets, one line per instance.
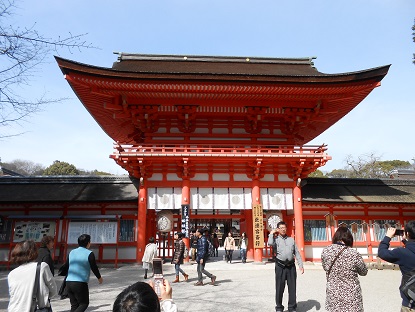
[317, 174]
[61, 168]
[93, 172]
[339, 173]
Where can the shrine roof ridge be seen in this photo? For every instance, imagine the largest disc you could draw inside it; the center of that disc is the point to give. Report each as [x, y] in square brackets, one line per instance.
[122, 56]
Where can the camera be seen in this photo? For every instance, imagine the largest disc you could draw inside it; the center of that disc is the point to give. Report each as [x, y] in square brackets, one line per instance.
[158, 275]
[399, 232]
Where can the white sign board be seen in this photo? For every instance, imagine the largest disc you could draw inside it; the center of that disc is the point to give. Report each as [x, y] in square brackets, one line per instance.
[33, 230]
[101, 232]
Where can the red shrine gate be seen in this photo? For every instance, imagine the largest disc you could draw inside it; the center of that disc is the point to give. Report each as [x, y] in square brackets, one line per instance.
[217, 135]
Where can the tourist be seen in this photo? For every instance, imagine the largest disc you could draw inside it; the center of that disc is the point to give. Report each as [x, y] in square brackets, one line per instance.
[141, 297]
[80, 262]
[179, 247]
[243, 246]
[285, 270]
[150, 252]
[215, 243]
[21, 280]
[343, 265]
[403, 256]
[46, 245]
[201, 257]
[193, 245]
[229, 245]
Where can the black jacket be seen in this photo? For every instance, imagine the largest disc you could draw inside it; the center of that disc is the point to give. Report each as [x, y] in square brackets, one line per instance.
[404, 257]
[44, 256]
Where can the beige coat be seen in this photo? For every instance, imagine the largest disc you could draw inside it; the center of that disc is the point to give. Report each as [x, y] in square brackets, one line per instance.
[150, 253]
[229, 243]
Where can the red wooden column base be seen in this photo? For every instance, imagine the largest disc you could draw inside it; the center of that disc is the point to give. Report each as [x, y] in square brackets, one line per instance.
[249, 227]
[255, 201]
[142, 220]
[298, 221]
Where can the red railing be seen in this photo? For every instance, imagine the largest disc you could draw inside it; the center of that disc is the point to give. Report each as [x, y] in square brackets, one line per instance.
[189, 150]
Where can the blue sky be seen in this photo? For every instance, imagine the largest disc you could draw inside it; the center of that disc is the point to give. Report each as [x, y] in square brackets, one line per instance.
[345, 36]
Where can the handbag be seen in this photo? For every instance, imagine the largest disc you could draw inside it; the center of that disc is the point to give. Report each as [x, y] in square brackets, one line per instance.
[337, 256]
[35, 292]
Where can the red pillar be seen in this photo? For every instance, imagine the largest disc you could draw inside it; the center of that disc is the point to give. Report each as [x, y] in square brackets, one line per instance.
[186, 201]
[142, 222]
[298, 220]
[255, 201]
[249, 225]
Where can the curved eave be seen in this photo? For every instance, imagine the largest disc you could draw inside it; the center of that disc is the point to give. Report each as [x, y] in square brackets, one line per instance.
[327, 97]
[68, 67]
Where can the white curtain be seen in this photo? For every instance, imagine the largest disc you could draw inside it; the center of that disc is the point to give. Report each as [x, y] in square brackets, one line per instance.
[277, 198]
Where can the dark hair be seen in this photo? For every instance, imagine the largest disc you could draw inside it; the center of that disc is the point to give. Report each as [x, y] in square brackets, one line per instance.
[151, 239]
[410, 229]
[343, 235]
[24, 252]
[139, 297]
[84, 240]
[46, 240]
[244, 234]
[179, 234]
[200, 231]
[281, 223]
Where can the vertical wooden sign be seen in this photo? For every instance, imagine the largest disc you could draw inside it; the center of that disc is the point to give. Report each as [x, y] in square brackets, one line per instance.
[258, 218]
[185, 220]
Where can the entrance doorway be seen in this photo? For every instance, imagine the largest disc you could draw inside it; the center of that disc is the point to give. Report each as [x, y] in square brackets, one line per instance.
[219, 226]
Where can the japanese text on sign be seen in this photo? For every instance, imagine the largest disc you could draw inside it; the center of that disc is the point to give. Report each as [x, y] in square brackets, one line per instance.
[185, 220]
[101, 232]
[258, 218]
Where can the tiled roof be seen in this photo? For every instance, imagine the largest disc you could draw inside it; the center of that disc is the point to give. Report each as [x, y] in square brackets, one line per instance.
[359, 190]
[67, 189]
[115, 188]
[219, 65]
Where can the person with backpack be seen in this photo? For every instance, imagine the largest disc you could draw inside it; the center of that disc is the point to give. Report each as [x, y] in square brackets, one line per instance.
[201, 258]
[402, 256]
[179, 248]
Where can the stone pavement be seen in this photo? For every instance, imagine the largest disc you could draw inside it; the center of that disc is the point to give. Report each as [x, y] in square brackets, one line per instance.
[240, 287]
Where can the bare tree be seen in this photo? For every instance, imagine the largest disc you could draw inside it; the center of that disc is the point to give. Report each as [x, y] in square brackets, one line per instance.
[24, 167]
[22, 50]
[413, 39]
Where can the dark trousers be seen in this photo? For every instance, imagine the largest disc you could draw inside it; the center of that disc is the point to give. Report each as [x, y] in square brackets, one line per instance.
[282, 275]
[228, 255]
[78, 293]
[201, 270]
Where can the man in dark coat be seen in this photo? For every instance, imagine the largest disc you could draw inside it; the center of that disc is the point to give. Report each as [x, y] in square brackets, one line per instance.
[202, 255]
[402, 256]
